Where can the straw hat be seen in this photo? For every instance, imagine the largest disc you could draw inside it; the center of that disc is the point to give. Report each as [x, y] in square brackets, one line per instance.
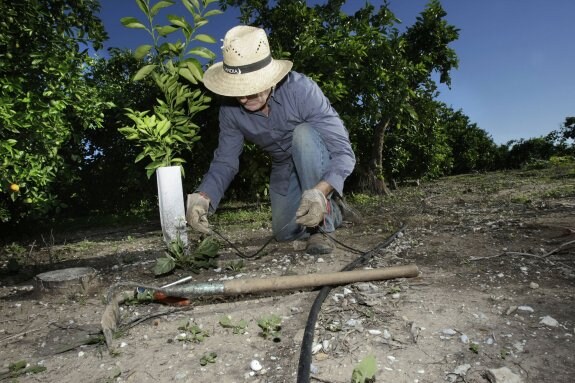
[248, 66]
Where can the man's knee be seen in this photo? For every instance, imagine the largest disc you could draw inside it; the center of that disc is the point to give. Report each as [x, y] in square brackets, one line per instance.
[302, 135]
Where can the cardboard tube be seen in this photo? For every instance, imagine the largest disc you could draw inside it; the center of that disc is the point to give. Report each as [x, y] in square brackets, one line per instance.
[290, 282]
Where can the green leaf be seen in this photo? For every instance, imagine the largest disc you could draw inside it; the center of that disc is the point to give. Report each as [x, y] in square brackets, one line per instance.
[142, 51]
[226, 321]
[163, 127]
[187, 74]
[166, 30]
[144, 71]
[161, 4]
[189, 6]
[164, 265]
[205, 38]
[195, 67]
[143, 6]
[132, 22]
[213, 12]
[208, 247]
[195, 3]
[202, 52]
[365, 370]
[178, 21]
[140, 157]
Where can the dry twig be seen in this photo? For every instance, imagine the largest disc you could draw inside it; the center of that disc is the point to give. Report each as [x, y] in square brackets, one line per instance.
[561, 247]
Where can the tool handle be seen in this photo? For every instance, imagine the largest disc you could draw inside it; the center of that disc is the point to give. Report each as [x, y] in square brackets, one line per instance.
[290, 282]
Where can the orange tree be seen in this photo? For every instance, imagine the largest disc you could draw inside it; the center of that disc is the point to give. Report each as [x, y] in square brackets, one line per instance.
[45, 103]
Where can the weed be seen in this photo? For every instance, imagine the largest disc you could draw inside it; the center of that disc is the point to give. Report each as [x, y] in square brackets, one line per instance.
[394, 289]
[209, 357]
[192, 333]
[21, 368]
[474, 348]
[271, 327]
[521, 199]
[203, 257]
[365, 371]
[235, 266]
[237, 328]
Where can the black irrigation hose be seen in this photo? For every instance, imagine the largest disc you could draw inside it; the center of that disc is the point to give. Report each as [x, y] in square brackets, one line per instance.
[238, 251]
[304, 366]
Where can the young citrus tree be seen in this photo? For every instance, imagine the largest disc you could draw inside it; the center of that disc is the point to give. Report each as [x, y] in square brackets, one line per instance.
[165, 131]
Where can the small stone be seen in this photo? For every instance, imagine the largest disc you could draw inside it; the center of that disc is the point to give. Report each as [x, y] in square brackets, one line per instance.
[534, 285]
[316, 348]
[81, 354]
[123, 344]
[181, 375]
[395, 296]
[320, 260]
[448, 331]
[255, 365]
[374, 332]
[353, 322]
[503, 375]
[462, 369]
[526, 309]
[366, 287]
[391, 358]
[386, 334]
[511, 310]
[464, 339]
[549, 321]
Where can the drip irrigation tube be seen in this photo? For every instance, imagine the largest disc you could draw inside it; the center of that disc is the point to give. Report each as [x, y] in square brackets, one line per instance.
[304, 366]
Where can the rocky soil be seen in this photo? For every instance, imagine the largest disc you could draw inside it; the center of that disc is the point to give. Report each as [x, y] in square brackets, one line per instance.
[494, 301]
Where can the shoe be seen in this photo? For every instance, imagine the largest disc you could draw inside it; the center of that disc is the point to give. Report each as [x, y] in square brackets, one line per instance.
[348, 213]
[318, 243]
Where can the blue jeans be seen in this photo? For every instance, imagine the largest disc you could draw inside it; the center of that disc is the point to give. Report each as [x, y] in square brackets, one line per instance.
[310, 159]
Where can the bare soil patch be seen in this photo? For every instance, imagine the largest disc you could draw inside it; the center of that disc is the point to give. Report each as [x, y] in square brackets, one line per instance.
[497, 289]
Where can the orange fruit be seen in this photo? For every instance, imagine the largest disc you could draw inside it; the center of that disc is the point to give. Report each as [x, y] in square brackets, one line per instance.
[14, 187]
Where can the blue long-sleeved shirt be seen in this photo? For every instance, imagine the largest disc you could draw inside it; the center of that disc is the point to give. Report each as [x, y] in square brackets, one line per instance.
[295, 100]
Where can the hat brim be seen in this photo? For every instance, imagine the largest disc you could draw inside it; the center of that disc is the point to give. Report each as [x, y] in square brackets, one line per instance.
[245, 84]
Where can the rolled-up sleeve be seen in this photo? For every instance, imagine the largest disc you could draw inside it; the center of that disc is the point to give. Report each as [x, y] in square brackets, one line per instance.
[225, 164]
[316, 109]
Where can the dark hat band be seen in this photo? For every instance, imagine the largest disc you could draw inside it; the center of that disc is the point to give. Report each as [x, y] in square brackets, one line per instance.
[243, 69]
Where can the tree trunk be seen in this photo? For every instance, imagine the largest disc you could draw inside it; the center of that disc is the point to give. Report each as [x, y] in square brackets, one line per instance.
[376, 180]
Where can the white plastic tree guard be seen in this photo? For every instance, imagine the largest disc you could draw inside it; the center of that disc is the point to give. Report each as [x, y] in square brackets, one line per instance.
[171, 199]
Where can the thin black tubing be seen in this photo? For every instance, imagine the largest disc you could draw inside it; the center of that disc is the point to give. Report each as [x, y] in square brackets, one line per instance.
[304, 366]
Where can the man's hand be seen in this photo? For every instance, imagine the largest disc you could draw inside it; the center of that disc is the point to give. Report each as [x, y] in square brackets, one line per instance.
[312, 208]
[197, 208]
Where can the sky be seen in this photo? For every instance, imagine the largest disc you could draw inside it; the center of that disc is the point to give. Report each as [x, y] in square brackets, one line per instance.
[516, 75]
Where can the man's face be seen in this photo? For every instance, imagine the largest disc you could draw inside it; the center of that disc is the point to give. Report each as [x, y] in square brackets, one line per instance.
[255, 102]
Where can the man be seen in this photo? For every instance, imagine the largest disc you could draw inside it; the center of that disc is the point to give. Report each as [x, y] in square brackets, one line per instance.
[286, 114]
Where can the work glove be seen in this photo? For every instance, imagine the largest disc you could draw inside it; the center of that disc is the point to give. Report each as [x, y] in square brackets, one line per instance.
[197, 208]
[312, 208]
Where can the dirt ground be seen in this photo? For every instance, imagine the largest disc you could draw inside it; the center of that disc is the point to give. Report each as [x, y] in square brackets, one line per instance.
[496, 289]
